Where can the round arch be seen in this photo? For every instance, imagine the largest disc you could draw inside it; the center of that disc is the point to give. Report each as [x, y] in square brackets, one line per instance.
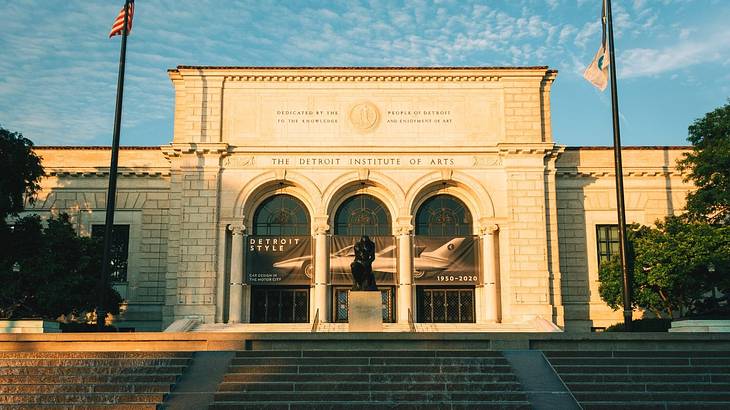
[443, 215]
[354, 183]
[465, 188]
[271, 183]
[281, 214]
[362, 214]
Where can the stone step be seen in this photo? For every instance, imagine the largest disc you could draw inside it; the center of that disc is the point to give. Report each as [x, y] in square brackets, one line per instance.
[86, 387]
[656, 397]
[92, 379]
[377, 369]
[96, 406]
[81, 398]
[367, 386]
[650, 387]
[98, 362]
[401, 353]
[641, 361]
[84, 370]
[94, 355]
[368, 353]
[644, 378]
[362, 361]
[636, 353]
[391, 396]
[374, 378]
[641, 405]
[339, 405]
[349, 405]
[588, 368]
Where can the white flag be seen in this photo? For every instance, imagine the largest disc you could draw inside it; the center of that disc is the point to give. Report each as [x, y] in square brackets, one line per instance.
[597, 72]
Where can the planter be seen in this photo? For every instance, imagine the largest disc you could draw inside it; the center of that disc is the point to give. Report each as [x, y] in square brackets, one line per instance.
[690, 325]
[29, 326]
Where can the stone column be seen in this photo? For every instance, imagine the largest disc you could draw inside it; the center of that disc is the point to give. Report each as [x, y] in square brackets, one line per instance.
[404, 301]
[321, 272]
[236, 294]
[490, 269]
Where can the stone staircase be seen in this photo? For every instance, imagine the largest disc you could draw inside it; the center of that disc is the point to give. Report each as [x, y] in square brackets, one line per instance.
[327, 327]
[337, 379]
[88, 380]
[646, 379]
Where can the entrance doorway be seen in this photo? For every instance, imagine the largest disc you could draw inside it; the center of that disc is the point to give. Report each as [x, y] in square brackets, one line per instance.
[445, 305]
[279, 304]
[341, 304]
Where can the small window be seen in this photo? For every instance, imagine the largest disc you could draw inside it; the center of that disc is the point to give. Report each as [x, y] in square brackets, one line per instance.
[119, 250]
[608, 243]
[362, 215]
[443, 215]
[281, 215]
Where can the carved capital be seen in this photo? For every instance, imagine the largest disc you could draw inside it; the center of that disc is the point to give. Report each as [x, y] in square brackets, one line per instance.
[489, 229]
[321, 229]
[237, 228]
[404, 229]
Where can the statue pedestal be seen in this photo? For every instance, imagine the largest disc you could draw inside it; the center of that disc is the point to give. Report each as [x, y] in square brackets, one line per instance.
[365, 311]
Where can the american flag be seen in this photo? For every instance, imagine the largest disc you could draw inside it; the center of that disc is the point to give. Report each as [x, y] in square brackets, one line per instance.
[119, 21]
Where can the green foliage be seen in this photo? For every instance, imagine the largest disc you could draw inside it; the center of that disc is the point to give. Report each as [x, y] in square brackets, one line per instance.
[643, 325]
[50, 271]
[709, 167]
[20, 172]
[676, 265]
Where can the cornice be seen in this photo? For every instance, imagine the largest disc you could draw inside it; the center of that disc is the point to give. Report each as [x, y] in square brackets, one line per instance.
[541, 148]
[334, 78]
[177, 149]
[602, 173]
[96, 172]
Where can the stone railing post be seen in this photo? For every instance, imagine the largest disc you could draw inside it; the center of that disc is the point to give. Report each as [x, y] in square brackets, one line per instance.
[321, 272]
[490, 268]
[404, 301]
[236, 292]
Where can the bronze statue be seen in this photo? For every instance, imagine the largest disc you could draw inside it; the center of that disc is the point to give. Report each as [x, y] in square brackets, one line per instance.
[362, 266]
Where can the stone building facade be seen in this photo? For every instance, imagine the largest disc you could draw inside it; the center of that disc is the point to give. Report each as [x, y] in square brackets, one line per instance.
[410, 156]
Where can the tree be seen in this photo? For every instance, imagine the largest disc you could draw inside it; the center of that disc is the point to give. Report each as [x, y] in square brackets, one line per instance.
[50, 271]
[709, 167]
[675, 268]
[20, 172]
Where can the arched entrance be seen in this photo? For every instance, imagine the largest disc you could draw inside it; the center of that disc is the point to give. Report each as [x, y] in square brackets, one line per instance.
[281, 219]
[362, 215]
[445, 265]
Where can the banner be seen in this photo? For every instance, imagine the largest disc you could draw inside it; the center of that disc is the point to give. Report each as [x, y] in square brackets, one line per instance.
[445, 260]
[279, 260]
[342, 254]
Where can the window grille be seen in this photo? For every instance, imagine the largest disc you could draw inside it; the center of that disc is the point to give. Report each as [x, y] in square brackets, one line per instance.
[607, 241]
[362, 215]
[281, 215]
[119, 252]
[443, 215]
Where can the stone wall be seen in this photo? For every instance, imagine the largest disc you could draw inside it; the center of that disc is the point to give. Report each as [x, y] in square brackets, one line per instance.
[75, 183]
[586, 197]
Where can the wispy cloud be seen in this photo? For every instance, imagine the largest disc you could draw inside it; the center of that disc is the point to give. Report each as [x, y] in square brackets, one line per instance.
[686, 52]
[59, 85]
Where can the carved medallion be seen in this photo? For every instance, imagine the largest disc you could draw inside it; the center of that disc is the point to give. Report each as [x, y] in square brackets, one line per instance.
[364, 116]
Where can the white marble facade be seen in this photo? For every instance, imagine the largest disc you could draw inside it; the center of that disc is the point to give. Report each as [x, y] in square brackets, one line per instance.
[401, 135]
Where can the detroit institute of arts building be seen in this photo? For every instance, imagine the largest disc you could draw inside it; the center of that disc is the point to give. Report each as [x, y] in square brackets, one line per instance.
[250, 215]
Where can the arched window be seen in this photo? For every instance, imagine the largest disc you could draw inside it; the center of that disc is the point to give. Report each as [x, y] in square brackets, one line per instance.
[362, 215]
[281, 215]
[443, 215]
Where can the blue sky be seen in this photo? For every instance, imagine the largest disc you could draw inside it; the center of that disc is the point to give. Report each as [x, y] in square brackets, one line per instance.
[58, 71]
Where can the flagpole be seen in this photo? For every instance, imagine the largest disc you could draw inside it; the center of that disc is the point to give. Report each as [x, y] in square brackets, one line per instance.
[112, 191]
[621, 207]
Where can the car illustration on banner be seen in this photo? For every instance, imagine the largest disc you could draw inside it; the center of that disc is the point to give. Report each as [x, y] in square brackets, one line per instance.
[437, 260]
